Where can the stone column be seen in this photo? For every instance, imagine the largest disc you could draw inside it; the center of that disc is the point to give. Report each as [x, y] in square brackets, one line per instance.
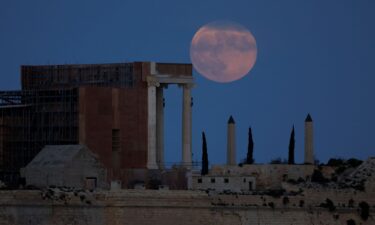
[151, 153]
[186, 126]
[231, 142]
[309, 141]
[160, 127]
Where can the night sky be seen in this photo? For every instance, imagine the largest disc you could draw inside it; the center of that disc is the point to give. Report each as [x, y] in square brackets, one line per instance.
[313, 57]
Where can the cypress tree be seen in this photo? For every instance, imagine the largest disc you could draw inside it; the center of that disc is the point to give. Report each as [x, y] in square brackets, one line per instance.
[204, 170]
[250, 148]
[291, 148]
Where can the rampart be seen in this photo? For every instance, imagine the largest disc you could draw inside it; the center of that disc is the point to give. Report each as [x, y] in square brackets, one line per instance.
[167, 207]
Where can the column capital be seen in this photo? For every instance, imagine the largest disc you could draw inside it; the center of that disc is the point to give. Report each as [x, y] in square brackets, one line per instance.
[152, 82]
[186, 125]
[187, 85]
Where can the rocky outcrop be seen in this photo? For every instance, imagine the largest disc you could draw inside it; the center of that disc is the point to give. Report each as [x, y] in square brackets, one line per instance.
[356, 179]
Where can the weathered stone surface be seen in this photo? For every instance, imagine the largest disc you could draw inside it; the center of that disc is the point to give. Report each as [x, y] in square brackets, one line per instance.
[175, 207]
[65, 165]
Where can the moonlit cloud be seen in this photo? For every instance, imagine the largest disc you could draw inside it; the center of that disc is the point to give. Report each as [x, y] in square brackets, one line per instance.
[223, 51]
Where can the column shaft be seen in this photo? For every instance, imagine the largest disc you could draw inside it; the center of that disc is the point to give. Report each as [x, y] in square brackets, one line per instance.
[151, 153]
[160, 127]
[309, 143]
[186, 126]
[231, 145]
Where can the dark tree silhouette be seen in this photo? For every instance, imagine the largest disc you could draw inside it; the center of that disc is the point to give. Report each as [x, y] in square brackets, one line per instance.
[204, 170]
[250, 149]
[364, 210]
[291, 148]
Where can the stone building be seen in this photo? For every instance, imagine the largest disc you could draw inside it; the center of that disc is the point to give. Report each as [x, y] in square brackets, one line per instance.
[66, 165]
[220, 182]
[116, 110]
[266, 176]
[249, 177]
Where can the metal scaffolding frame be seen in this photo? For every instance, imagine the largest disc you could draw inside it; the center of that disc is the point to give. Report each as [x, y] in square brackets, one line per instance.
[29, 120]
[68, 76]
[45, 111]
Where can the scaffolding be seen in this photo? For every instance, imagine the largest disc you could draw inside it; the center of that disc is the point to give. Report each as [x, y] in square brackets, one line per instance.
[68, 76]
[45, 111]
[29, 120]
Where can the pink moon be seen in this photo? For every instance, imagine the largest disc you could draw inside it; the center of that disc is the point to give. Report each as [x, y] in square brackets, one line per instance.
[223, 51]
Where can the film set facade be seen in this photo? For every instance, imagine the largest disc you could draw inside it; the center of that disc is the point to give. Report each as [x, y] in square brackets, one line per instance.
[116, 110]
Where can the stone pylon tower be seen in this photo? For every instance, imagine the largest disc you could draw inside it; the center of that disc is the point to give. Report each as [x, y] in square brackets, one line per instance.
[231, 142]
[309, 140]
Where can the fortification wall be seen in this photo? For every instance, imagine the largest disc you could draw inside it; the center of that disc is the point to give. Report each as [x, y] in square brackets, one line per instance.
[164, 208]
[267, 175]
[271, 176]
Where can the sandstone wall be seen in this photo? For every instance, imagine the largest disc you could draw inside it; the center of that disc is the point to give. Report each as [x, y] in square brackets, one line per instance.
[221, 183]
[164, 208]
[267, 175]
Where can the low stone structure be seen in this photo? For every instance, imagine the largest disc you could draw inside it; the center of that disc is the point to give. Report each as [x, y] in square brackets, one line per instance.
[223, 183]
[65, 165]
[267, 176]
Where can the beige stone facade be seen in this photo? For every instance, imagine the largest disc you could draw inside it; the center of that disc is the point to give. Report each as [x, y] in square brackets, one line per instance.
[144, 207]
[223, 183]
[66, 165]
[267, 176]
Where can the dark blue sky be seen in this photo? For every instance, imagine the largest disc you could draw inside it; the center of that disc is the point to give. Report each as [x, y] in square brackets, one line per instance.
[313, 56]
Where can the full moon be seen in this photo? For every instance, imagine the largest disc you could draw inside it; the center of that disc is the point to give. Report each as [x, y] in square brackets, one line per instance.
[223, 51]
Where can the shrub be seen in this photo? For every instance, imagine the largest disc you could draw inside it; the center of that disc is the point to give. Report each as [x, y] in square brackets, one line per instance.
[277, 193]
[154, 184]
[350, 222]
[292, 181]
[285, 200]
[329, 205]
[340, 169]
[276, 161]
[352, 162]
[360, 186]
[351, 203]
[364, 210]
[341, 164]
[335, 162]
[271, 204]
[318, 177]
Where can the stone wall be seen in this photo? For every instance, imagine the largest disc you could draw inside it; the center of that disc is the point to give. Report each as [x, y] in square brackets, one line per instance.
[267, 175]
[167, 208]
[223, 183]
[65, 165]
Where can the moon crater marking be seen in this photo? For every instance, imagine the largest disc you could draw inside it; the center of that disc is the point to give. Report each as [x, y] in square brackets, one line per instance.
[223, 51]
